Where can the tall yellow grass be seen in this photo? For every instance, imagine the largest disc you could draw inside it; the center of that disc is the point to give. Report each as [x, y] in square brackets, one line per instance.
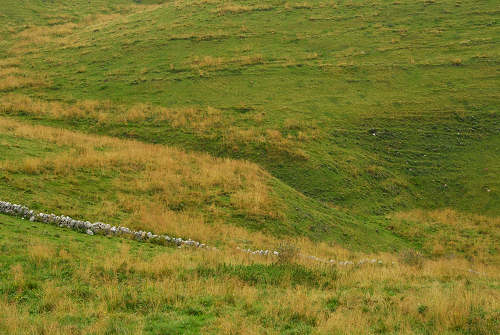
[206, 122]
[63, 33]
[163, 189]
[441, 297]
[446, 232]
[14, 78]
[155, 188]
[10, 62]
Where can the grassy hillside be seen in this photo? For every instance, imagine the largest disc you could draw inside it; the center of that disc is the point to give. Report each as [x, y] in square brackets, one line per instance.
[300, 88]
[165, 190]
[340, 129]
[61, 282]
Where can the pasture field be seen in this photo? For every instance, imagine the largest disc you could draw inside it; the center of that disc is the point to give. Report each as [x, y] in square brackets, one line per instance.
[55, 281]
[341, 129]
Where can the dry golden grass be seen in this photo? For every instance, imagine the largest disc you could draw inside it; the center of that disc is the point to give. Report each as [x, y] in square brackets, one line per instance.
[442, 296]
[13, 77]
[63, 33]
[40, 34]
[446, 231]
[221, 63]
[40, 253]
[108, 112]
[156, 188]
[17, 273]
[9, 71]
[35, 36]
[298, 5]
[206, 122]
[456, 61]
[169, 174]
[10, 62]
[207, 61]
[11, 82]
[162, 189]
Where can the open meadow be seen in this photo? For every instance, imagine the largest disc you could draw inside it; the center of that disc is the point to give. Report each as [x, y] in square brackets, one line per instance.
[356, 141]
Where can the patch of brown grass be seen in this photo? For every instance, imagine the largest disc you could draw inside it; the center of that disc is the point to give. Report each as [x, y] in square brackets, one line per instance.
[10, 62]
[40, 253]
[446, 231]
[63, 33]
[34, 36]
[11, 82]
[10, 71]
[206, 122]
[163, 189]
[298, 5]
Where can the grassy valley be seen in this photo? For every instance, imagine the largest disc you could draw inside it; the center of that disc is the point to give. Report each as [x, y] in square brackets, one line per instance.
[341, 129]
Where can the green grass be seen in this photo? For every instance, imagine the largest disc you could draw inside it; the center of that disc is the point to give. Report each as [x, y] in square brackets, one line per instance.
[59, 281]
[378, 122]
[348, 67]
[397, 101]
[86, 192]
[17, 236]
[13, 147]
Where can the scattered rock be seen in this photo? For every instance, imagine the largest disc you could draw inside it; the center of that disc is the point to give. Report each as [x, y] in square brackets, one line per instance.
[91, 228]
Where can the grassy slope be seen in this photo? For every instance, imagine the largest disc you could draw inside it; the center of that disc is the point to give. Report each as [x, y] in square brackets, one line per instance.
[398, 113]
[37, 172]
[421, 74]
[300, 89]
[57, 281]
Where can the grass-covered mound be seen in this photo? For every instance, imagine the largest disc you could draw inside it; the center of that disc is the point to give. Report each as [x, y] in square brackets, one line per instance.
[166, 190]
